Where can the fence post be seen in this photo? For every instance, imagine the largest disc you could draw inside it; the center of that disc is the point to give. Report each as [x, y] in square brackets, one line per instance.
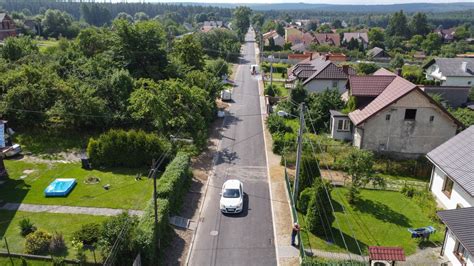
[8, 250]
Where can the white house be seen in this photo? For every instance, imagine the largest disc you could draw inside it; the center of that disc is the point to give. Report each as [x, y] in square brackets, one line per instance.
[394, 116]
[452, 178]
[451, 71]
[319, 74]
[458, 245]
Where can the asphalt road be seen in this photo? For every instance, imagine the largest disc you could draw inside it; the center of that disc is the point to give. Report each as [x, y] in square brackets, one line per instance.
[246, 238]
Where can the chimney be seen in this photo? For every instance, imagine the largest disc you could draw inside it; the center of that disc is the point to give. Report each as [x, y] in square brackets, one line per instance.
[345, 69]
[464, 66]
[399, 72]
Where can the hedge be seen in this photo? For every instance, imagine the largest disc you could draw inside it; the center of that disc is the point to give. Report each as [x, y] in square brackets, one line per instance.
[170, 189]
[171, 184]
[126, 148]
[147, 234]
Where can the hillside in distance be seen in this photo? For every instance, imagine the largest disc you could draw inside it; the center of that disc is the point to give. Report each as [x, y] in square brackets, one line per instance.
[411, 7]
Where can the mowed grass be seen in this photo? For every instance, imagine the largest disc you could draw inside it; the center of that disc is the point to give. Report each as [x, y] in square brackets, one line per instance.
[66, 224]
[124, 193]
[381, 218]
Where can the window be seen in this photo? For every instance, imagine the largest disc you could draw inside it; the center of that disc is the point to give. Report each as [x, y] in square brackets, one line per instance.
[334, 83]
[343, 125]
[431, 119]
[469, 83]
[448, 186]
[387, 117]
[410, 114]
[460, 252]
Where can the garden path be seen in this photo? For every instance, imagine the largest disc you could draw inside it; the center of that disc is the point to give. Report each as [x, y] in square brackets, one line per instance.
[66, 209]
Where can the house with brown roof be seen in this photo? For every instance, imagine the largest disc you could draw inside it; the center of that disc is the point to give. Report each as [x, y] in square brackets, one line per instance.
[330, 39]
[273, 35]
[318, 74]
[361, 37]
[393, 116]
[446, 34]
[7, 26]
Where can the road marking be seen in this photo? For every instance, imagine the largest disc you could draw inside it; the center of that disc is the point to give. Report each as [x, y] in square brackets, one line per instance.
[214, 233]
[264, 111]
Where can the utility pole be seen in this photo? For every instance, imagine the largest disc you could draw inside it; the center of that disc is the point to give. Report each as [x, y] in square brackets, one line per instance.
[298, 153]
[271, 71]
[153, 172]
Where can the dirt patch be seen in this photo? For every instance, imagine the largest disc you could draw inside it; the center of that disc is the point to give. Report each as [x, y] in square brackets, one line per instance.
[62, 157]
[180, 241]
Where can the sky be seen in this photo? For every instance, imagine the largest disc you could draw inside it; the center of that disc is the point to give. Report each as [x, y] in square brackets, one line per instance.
[365, 2]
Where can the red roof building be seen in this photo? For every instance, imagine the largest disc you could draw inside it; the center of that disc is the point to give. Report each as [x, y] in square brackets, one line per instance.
[386, 254]
[7, 26]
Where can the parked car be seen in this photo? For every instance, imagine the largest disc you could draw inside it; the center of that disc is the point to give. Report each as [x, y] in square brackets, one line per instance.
[226, 95]
[232, 196]
[12, 150]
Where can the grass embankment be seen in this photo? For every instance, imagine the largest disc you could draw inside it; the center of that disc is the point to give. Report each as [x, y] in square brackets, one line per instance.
[380, 218]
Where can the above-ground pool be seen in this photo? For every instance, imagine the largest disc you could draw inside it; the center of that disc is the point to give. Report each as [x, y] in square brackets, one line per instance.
[60, 187]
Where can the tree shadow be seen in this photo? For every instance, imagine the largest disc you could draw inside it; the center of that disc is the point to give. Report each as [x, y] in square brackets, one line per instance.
[12, 190]
[226, 156]
[381, 212]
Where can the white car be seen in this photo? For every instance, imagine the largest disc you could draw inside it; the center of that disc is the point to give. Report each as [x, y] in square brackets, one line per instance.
[232, 196]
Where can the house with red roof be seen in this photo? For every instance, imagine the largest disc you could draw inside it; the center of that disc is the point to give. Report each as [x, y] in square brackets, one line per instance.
[392, 116]
[317, 74]
[7, 26]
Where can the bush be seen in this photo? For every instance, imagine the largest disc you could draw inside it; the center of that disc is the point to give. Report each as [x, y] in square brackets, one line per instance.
[126, 148]
[283, 143]
[37, 242]
[57, 244]
[319, 214]
[122, 225]
[309, 171]
[147, 235]
[276, 124]
[305, 196]
[88, 234]
[172, 183]
[408, 191]
[26, 226]
[271, 90]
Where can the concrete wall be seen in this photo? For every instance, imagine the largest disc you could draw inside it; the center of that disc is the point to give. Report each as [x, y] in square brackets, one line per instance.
[319, 85]
[449, 245]
[337, 134]
[410, 137]
[458, 195]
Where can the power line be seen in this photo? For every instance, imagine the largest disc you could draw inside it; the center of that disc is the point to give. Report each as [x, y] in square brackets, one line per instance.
[330, 175]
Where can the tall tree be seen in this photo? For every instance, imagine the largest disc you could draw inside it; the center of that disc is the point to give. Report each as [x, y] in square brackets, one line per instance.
[376, 38]
[419, 24]
[242, 20]
[140, 47]
[432, 43]
[398, 25]
[16, 48]
[57, 23]
[189, 51]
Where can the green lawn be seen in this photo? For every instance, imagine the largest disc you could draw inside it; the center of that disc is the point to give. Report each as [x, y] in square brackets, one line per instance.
[124, 192]
[51, 222]
[19, 262]
[45, 44]
[381, 218]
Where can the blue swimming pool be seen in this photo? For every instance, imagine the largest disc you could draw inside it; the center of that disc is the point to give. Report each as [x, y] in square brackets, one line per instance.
[60, 187]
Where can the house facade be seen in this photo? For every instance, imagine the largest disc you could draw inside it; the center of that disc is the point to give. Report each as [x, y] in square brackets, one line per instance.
[7, 26]
[451, 71]
[452, 177]
[458, 245]
[394, 116]
[277, 39]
